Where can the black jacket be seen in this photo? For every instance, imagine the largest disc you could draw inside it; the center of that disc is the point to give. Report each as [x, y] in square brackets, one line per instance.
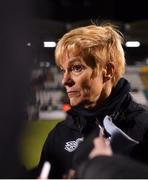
[64, 140]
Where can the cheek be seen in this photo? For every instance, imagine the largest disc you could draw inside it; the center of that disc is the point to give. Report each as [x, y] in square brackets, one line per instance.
[91, 88]
[86, 87]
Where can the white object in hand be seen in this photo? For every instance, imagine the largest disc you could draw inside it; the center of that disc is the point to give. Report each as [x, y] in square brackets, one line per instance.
[45, 170]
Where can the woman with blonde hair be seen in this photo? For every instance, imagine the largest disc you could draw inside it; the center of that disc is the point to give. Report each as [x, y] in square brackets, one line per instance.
[92, 61]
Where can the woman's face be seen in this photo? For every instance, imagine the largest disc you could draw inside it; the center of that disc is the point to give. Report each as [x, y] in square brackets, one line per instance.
[82, 86]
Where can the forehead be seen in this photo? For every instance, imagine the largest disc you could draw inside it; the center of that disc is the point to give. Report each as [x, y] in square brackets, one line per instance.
[69, 57]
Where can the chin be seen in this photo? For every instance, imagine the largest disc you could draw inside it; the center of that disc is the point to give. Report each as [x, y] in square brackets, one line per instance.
[74, 103]
[84, 104]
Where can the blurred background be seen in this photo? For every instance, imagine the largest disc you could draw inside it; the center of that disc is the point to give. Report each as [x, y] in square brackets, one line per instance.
[53, 18]
[45, 102]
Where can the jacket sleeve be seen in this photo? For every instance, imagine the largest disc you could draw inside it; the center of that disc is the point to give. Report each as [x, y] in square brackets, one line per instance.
[47, 154]
[48, 149]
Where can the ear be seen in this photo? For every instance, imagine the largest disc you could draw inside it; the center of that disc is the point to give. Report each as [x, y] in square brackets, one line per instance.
[108, 72]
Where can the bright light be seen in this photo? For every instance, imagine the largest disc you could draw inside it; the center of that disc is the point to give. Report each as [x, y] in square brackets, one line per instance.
[29, 44]
[49, 44]
[132, 44]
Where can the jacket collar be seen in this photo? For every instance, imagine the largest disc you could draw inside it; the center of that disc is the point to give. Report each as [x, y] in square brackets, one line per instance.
[112, 104]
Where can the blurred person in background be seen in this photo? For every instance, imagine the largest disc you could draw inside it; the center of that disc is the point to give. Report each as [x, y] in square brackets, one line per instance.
[92, 61]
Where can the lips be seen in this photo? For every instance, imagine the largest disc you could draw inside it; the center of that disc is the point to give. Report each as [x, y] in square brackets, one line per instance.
[73, 93]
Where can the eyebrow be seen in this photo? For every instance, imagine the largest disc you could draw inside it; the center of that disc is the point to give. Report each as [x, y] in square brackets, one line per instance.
[73, 60]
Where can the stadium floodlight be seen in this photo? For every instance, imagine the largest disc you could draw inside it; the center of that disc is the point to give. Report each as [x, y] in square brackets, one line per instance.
[49, 44]
[132, 44]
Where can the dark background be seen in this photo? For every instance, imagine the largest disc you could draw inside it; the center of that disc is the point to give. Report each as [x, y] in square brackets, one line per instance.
[53, 18]
[73, 10]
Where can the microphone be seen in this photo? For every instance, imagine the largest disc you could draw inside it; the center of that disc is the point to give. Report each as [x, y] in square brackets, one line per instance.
[45, 170]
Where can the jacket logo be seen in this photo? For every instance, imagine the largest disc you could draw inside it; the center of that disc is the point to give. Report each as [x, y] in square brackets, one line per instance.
[72, 145]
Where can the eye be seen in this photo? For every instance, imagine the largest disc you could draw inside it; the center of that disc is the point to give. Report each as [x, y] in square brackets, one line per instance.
[77, 68]
[61, 70]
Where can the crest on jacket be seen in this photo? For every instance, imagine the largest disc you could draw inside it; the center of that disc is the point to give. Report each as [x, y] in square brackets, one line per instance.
[71, 146]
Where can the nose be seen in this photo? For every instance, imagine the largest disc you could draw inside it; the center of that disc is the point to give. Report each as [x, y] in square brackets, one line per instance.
[67, 79]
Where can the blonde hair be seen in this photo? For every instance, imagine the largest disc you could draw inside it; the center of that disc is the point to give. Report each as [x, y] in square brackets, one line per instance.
[103, 44]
